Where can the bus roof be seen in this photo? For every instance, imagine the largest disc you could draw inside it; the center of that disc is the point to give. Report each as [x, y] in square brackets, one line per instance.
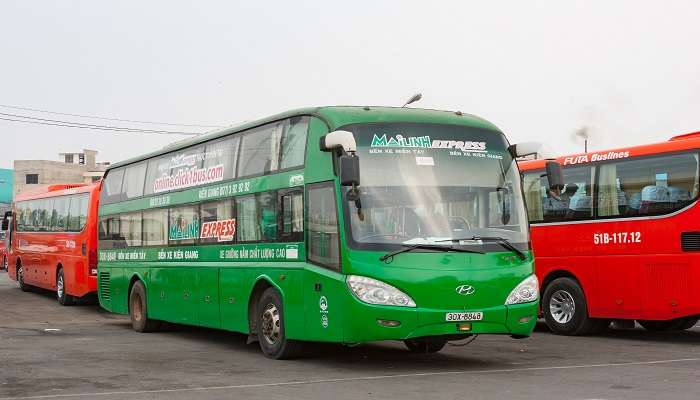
[334, 117]
[676, 143]
[56, 190]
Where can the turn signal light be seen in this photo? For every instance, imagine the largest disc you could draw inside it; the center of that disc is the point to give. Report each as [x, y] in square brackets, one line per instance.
[464, 327]
[525, 320]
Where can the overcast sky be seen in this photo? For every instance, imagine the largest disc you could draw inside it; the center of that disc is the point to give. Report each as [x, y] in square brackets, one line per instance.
[538, 70]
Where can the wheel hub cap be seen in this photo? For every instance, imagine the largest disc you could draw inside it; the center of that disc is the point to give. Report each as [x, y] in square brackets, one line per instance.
[271, 324]
[562, 306]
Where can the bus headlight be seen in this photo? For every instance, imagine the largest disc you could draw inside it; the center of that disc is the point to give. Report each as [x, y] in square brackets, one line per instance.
[525, 292]
[373, 291]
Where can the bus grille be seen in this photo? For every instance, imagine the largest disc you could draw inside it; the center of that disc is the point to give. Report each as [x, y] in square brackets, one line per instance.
[104, 286]
[690, 241]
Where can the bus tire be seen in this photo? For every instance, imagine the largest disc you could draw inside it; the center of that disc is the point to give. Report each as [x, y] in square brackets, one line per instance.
[20, 279]
[138, 310]
[425, 345]
[5, 264]
[565, 309]
[678, 324]
[271, 329]
[689, 322]
[64, 298]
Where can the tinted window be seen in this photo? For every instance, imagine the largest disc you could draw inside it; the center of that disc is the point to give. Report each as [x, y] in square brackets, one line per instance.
[292, 216]
[246, 219]
[61, 206]
[157, 167]
[294, 143]
[257, 217]
[112, 187]
[77, 212]
[110, 233]
[45, 211]
[323, 226]
[574, 202]
[133, 180]
[155, 227]
[130, 229]
[259, 152]
[222, 153]
[647, 186]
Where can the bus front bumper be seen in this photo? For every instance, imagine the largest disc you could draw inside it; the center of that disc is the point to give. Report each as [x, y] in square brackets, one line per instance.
[368, 323]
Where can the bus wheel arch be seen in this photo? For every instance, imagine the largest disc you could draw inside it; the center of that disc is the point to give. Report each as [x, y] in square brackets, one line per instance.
[137, 303]
[268, 320]
[62, 296]
[562, 294]
[261, 285]
[135, 278]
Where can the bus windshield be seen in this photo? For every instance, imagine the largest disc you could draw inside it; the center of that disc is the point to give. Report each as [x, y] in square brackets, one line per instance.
[427, 183]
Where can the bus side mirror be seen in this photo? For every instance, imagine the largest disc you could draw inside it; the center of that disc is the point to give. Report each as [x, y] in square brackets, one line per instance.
[349, 170]
[554, 175]
[524, 149]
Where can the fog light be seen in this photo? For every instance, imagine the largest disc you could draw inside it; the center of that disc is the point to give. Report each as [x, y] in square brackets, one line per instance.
[388, 323]
[525, 320]
[464, 327]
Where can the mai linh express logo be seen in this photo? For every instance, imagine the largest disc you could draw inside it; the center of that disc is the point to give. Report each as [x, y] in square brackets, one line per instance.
[400, 141]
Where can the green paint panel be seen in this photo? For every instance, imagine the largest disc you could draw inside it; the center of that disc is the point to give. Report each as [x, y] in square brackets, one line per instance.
[211, 285]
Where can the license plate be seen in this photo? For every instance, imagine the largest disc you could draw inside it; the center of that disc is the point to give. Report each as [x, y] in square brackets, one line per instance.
[464, 316]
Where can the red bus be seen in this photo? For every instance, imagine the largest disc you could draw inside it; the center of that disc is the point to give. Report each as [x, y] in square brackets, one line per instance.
[620, 240]
[53, 240]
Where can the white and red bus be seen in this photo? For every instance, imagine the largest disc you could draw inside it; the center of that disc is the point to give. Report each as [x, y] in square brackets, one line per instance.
[621, 239]
[53, 240]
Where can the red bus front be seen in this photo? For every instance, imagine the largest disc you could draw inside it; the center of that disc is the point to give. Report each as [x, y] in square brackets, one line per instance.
[621, 239]
[53, 240]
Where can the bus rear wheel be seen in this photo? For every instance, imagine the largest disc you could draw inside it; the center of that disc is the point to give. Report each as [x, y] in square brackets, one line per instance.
[431, 344]
[565, 310]
[678, 324]
[271, 329]
[138, 310]
[63, 298]
[20, 279]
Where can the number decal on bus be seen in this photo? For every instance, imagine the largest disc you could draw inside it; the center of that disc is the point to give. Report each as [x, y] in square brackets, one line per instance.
[617, 238]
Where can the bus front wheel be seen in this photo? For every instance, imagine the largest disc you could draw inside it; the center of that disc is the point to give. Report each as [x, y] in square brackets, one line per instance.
[138, 310]
[678, 324]
[63, 298]
[271, 330]
[565, 309]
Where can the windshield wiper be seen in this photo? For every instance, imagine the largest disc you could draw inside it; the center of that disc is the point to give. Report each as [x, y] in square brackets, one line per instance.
[496, 239]
[411, 247]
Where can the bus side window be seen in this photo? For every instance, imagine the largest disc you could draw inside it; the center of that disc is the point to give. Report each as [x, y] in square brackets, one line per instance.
[534, 200]
[323, 246]
[294, 143]
[647, 186]
[291, 226]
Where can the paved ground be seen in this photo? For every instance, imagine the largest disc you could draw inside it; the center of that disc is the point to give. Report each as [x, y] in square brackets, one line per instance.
[94, 354]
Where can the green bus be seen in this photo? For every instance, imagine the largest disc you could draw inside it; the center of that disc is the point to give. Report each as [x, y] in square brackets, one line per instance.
[267, 229]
